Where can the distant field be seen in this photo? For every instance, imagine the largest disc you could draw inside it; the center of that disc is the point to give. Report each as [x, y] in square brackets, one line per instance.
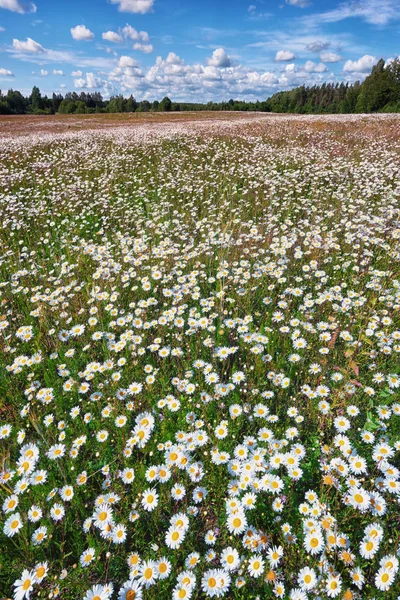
[16, 125]
[20, 124]
[199, 357]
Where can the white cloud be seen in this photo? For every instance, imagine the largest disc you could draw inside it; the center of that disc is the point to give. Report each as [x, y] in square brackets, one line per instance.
[317, 46]
[283, 55]
[362, 65]
[219, 59]
[134, 6]
[2, 29]
[81, 32]
[90, 82]
[58, 72]
[376, 12]
[43, 73]
[76, 73]
[26, 51]
[29, 46]
[126, 61]
[141, 38]
[299, 3]
[330, 57]
[146, 48]
[6, 73]
[173, 77]
[389, 61]
[18, 6]
[255, 15]
[312, 67]
[112, 36]
[131, 33]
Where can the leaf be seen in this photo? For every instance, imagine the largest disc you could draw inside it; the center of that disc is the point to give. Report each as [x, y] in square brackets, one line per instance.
[355, 368]
[367, 340]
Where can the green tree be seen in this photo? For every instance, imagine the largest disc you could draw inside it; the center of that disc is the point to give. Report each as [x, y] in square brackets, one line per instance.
[16, 102]
[165, 105]
[67, 107]
[35, 99]
[80, 108]
[131, 104]
[116, 104]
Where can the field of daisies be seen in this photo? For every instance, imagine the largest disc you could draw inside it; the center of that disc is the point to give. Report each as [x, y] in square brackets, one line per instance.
[199, 360]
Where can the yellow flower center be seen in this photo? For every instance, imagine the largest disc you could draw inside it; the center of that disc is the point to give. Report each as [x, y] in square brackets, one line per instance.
[40, 572]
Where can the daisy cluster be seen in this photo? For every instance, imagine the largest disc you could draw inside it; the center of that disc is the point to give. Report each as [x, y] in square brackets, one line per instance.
[200, 338]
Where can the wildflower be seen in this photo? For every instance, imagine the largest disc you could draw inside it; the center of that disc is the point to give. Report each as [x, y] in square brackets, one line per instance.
[12, 525]
[24, 585]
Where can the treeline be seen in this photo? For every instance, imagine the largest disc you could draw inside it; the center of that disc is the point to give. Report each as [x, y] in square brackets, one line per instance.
[86, 103]
[379, 92]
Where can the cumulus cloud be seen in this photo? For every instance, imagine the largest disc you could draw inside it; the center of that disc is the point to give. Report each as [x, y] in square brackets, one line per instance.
[58, 72]
[6, 73]
[362, 65]
[43, 73]
[76, 73]
[134, 6]
[317, 46]
[131, 33]
[312, 67]
[146, 48]
[219, 58]
[29, 46]
[330, 57]
[173, 77]
[141, 38]
[81, 32]
[112, 36]
[126, 61]
[18, 6]
[91, 82]
[283, 55]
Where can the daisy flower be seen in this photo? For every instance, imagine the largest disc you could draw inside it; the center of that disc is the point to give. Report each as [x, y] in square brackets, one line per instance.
[24, 585]
[256, 565]
[149, 499]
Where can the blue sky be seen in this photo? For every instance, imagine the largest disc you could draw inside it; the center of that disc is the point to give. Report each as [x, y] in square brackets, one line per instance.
[192, 50]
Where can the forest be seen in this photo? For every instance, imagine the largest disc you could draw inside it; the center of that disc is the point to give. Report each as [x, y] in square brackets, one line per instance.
[379, 92]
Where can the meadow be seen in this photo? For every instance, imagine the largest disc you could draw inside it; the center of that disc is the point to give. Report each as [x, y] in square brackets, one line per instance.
[199, 357]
